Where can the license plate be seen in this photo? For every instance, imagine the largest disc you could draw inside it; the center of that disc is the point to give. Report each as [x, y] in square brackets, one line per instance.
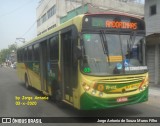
[122, 99]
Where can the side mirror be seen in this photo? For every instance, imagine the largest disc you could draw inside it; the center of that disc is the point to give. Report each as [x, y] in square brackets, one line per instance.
[77, 53]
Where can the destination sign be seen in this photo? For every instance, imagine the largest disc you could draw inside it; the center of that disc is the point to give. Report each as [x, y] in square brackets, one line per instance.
[122, 25]
[113, 22]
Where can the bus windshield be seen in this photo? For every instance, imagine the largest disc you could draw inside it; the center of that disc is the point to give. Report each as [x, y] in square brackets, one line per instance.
[125, 54]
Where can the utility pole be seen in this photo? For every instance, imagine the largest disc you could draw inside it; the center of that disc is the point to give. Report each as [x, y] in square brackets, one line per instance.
[83, 6]
[21, 39]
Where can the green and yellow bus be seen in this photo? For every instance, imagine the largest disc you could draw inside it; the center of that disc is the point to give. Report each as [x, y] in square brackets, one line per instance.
[93, 61]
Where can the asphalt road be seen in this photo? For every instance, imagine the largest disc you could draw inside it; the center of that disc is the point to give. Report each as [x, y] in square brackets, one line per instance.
[10, 87]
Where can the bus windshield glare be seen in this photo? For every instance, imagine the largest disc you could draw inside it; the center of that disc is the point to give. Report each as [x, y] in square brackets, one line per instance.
[125, 54]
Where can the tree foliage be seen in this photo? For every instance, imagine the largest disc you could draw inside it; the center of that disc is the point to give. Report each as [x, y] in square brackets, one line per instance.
[5, 53]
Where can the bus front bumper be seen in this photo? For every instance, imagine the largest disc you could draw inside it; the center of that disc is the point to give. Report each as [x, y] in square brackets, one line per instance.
[89, 102]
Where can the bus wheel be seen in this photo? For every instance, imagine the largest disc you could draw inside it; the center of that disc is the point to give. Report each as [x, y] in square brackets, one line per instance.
[58, 95]
[26, 82]
[58, 98]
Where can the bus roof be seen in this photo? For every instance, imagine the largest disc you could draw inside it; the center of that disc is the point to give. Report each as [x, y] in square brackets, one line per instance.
[116, 13]
[69, 22]
[55, 29]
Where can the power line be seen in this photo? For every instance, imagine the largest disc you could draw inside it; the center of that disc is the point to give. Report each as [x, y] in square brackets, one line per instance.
[35, 21]
[16, 9]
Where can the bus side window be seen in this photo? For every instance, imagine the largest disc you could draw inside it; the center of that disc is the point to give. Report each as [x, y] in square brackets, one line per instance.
[30, 53]
[21, 55]
[53, 59]
[54, 48]
[36, 54]
[25, 54]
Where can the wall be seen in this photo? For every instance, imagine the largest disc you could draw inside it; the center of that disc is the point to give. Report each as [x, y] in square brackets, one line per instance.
[152, 22]
[65, 6]
[153, 39]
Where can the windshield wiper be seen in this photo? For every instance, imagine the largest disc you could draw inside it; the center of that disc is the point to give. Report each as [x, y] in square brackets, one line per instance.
[105, 45]
[130, 44]
[123, 66]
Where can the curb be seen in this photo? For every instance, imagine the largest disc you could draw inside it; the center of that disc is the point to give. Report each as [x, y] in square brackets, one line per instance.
[154, 91]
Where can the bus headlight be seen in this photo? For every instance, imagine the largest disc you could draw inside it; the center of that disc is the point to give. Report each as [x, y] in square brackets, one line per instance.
[144, 87]
[93, 92]
[85, 86]
[100, 94]
[140, 89]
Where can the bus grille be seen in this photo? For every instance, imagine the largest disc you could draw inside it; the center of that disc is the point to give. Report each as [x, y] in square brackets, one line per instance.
[116, 85]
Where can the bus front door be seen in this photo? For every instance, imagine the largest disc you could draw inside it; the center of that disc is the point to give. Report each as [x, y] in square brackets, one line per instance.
[43, 66]
[67, 65]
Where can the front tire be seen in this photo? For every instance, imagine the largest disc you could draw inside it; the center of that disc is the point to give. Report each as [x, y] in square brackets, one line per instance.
[57, 98]
[26, 82]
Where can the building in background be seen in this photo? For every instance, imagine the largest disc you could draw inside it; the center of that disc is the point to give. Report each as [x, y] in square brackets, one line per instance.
[51, 13]
[152, 19]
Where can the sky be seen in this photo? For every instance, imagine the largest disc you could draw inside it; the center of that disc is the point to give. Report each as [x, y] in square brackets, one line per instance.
[17, 20]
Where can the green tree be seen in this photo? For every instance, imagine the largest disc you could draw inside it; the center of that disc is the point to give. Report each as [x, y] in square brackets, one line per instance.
[12, 47]
[5, 53]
